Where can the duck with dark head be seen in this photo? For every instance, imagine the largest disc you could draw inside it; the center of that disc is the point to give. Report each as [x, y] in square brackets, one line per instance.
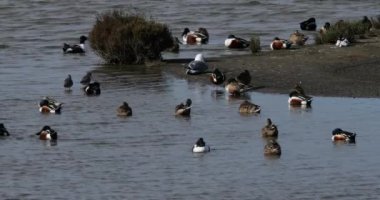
[76, 48]
[183, 109]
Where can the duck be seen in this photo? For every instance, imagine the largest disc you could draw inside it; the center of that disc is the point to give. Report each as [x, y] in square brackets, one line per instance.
[233, 87]
[249, 107]
[76, 48]
[342, 42]
[233, 42]
[124, 110]
[200, 146]
[309, 25]
[3, 130]
[272, 148]
[50, 105]
[270, 129]
[68, 83]
[278, 44]
[325, 28]
[244, 78]
[195, 37]
[47, 133]
[217, 77]
[298, 38]
[92, 89]
[341, 135]
[297, 96]
[86, 79]
[183, 109]
[197, 66]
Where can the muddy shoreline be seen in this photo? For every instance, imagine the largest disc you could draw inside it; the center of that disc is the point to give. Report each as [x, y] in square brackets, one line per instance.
[324, 70]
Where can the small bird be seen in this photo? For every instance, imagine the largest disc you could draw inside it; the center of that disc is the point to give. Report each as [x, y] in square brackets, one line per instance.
[236, 42]
[272, 148]
[86, 79]
[200, 146]
[3, 130]
[68, 83]
[92, 89]
[248, 107]
[183, 109]
[124, 110]
[217, 77]
[244, 78]
[269, 130]
[46, 133]
[77, 48]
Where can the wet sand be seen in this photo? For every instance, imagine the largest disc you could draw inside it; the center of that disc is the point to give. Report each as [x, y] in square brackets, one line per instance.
[324, 70]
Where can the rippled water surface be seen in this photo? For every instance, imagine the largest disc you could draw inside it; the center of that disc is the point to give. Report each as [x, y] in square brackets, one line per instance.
[148, 156]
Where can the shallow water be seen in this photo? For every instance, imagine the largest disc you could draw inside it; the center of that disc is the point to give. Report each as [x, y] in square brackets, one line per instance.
[102, 156]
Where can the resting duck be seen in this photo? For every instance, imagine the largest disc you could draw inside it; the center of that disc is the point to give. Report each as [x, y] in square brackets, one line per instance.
[298, 38]
[46, 133]
[86, 79]
[195, 37]
[269, 130]
[200, 146]
[248, 108]
[77, 48]
[244, 78]
[278, 44]
[341, 135]
[183, 109]
[325, 28]
[124, 110]
[234, 88]
[68, 83]
[3, 130]
[197, 66]
[217, 77]
[342, 42]
[50, 105]
[298, 97]
[309, 25]
[92, 89]
[272, 148]
[236, 42]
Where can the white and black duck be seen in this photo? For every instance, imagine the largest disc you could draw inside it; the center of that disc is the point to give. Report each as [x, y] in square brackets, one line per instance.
[50, 105]
[76, 48]
[200, 146]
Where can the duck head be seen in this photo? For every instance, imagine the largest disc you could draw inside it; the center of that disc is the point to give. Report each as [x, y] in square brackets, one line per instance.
[188, 102]
[185, 31]
[82, 39]
[200, 142]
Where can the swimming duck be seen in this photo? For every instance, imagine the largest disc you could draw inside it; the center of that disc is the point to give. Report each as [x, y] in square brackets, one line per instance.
[272, 148]
[3, 130]
[236, 42]
[197, 66]
[183, 109]
[309, 25]
[77, 48]
[298, 97]
[325, 28]
[124, 110]
[92, 88]
[46, 133]
[269, 130]
[341, 135]
[50, 105]
[200, 146]
[86, 79]
[342, 42]
[195, 37]
[68, 83]
[298, 38]
[278, 44]
[249, 107]
[244, 78]
[217, 77]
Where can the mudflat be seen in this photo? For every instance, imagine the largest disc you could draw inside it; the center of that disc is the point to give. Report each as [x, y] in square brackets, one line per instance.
[324, 70]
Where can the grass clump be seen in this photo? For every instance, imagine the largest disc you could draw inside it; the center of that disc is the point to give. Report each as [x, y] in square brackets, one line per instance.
[121, 37]
[255, 44]
[345, 29]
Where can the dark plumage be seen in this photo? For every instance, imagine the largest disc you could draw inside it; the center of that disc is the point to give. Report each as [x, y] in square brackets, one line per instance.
[244, 77]
[183, 109]
[124, 110]
[341, 135]
[269, 130]
[3, 130]
[68, 83]
[217, 77]
[86, 79]
[235, 42]
[309, 25]
[46, 133]
[92, 89]
[76, 48]
[272, 148]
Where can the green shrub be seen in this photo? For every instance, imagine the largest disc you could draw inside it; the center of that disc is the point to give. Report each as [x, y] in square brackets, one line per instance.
[255, 44]
[120, 37]
[345, 29]
[376, 22]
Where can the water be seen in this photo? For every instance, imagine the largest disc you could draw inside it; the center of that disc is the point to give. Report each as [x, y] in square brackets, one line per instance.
[101, 156]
